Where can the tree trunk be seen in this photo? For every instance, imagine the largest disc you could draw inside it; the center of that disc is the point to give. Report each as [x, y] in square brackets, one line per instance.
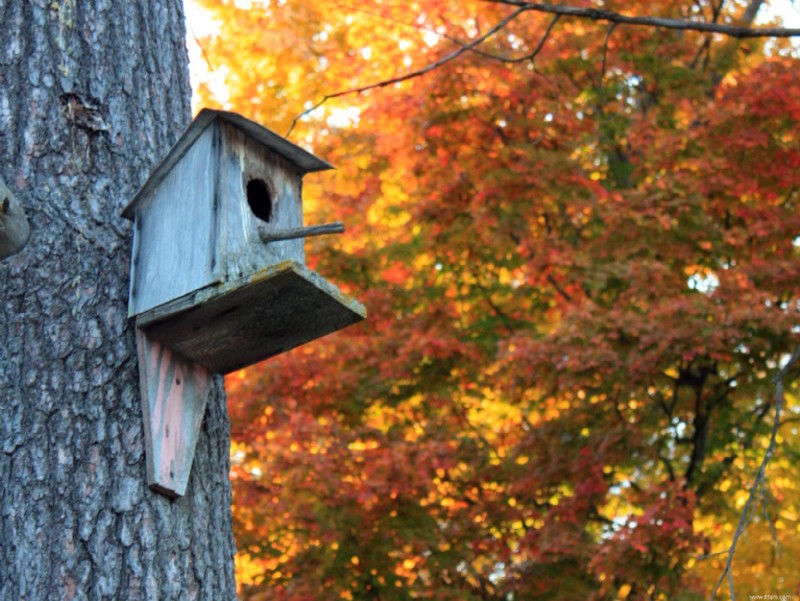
[92, 94]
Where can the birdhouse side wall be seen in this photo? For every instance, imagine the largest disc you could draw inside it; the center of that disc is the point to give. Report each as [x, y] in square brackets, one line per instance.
[174, 233]
[244, 160]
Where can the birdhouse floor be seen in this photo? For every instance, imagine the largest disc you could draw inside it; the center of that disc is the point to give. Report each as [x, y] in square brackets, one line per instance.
[229, 326]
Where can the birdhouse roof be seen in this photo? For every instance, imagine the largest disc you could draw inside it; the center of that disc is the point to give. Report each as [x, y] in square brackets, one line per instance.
[302, 159]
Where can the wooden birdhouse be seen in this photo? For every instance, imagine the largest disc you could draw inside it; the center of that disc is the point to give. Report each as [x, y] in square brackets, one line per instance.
[218, 274]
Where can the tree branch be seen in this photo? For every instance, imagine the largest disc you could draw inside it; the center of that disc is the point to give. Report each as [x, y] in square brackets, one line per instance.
[563, 293]
[773, 531]
[511, 324]
[716, 11]
[596, 14]
[567, 11]
[419, 72]
[759, 480]
[668, 464]
[605, 54]
[512, 60]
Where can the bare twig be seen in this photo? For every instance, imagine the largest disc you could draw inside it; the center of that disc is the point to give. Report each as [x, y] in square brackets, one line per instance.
[790, 420]
[611, 29]
[539, 47]
[759, 480]
[751, 11]
[596, 14]
[772, 529]
[730, 586]
[563, 293]
[202, 49]
[710, 555]
[419, 72]
[517, 59]
[716, 11]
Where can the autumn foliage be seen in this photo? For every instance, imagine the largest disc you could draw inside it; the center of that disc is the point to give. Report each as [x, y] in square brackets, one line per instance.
[582, 272]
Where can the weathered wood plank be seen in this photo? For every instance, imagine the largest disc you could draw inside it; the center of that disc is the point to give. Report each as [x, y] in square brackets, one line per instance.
[304, 160]
[235, 324]
[174, 250]
[174, 396]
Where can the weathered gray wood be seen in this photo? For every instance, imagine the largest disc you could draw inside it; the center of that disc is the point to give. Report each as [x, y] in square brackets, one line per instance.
[227, 327]
[14, 228]
[269, 235]
[195, 226]
[175, 392]
[302, 160]
[77, 520]
[243, 159]
[204, 288]
[175, 235]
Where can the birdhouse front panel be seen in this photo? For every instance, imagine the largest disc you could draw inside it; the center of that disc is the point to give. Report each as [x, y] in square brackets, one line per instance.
[174, 232]
[257, 188]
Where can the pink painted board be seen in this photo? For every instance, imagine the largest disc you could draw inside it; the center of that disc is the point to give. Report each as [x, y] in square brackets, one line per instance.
[174, 396]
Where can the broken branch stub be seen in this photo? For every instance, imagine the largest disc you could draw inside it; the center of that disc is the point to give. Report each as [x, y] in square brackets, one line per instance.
[14, 228]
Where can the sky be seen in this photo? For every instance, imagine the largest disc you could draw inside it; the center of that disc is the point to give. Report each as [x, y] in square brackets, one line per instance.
[788, 10]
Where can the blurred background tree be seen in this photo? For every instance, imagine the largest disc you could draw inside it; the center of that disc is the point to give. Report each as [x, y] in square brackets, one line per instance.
[578, 245]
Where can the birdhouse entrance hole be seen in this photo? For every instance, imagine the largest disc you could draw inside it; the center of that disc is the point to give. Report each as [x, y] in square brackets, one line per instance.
[259, 199]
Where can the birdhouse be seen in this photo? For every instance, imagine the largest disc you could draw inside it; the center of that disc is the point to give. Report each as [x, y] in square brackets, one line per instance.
[218, 269]
[218, 274]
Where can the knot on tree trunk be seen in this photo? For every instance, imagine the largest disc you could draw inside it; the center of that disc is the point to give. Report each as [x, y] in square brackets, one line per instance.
[14, 228]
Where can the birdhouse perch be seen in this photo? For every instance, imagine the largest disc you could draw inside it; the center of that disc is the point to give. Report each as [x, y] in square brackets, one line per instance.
[218, 275]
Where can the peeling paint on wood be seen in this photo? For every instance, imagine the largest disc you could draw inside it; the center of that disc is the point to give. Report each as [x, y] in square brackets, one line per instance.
[174, 396]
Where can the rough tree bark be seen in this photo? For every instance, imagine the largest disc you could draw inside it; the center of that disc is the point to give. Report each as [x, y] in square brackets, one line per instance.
[92, 94]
